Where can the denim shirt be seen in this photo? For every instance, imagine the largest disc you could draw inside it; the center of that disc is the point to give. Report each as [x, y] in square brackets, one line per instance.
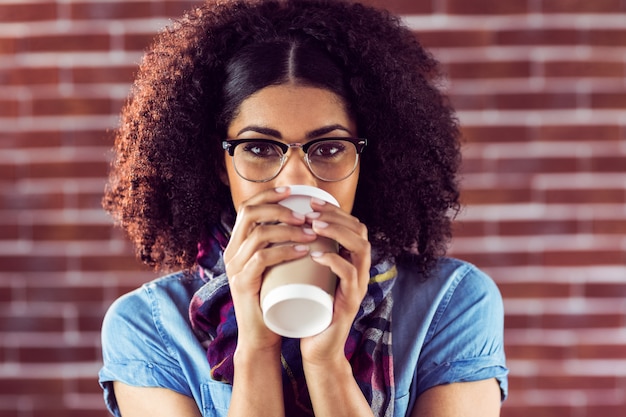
[447, 328]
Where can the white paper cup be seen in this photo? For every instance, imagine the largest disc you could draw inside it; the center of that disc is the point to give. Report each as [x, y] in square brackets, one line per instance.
[297, 296]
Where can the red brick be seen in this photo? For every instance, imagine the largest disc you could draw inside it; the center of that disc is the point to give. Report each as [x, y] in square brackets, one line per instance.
[9, 108]
[403, 6]
[539, 352]
[538, 36]
[30, 322]
[605, 410]
[103, 75]
[70, 232]
[608, 163]
[53, 200]
[67, 43]
[8, 172]
[581, 321]
[608, 100]
[587, 132]
[481, 196]
[174, 8]
[615, 256]
[487, 260]
[64, 294]
[87, 385]
[78, 169]
[485, 7]
[113, 10]
[490, 69]
[607, 37]
[9, 231]
[583, 6]
[137, 42]
[575, 382]
[595, 68]
[535, 410]
[8, 46]
[587, 196]
[601, 351]
[482, 134]
[29, 76]
[62, 354]
[607, 227]
[515, 101]
[21, 385]
[30, 139]
[111, 262]
[445, 38]
[530, 165]
[27, 12]
[72, 106]
[90, 320]
[538, 227]
[27, 263]
[535, 101]
[605, 290]
[538, 290]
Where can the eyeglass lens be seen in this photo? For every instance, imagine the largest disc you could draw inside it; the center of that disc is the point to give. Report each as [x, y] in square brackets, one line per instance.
[329, 160]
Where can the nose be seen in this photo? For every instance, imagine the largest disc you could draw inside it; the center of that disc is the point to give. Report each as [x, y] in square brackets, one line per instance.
[295, 170]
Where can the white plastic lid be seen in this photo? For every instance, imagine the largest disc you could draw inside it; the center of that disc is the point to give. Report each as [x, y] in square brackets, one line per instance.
[300, 198]
[297, 310]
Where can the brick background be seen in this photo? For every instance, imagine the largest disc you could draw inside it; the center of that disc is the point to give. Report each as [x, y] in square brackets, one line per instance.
[540, 87]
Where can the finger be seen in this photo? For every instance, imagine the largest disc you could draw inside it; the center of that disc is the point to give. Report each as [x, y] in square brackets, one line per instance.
[263, 236]
[248, 278]
[352, 284]
[352, 238]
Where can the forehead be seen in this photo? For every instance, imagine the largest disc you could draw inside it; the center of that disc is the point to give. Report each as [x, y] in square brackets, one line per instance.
[291, 108]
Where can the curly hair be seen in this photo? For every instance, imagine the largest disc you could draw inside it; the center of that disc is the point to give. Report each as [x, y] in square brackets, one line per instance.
[164, 187]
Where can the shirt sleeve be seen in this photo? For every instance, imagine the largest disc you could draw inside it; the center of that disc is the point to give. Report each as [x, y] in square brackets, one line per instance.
[135, 351]
[464, 342]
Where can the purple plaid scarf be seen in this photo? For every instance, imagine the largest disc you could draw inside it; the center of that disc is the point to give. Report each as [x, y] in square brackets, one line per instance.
[368, 347]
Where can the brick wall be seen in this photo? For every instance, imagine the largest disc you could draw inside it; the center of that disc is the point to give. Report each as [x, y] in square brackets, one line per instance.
[540, 86]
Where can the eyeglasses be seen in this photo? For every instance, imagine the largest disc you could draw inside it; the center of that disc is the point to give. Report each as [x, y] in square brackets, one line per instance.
[261, 160]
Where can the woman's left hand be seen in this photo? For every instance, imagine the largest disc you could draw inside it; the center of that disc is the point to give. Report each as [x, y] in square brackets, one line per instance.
[352, 267]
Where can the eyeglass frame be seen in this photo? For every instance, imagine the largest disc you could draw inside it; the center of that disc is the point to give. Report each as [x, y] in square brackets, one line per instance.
[229, 146]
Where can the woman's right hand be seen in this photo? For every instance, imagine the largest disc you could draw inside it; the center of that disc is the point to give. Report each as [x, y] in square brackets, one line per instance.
[250, 252]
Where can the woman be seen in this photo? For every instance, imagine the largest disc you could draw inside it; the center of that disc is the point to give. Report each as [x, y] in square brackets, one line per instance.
[413, 333]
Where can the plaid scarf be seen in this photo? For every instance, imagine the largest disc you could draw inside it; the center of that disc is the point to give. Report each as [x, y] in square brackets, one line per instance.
[368, 347]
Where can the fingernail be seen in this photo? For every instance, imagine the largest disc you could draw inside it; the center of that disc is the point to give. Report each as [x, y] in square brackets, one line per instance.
[298, 215]
[318, 201]
[316, 254]
[318, 224]
[280, 190]
[301, 248]
[308, 230]
[313, 215]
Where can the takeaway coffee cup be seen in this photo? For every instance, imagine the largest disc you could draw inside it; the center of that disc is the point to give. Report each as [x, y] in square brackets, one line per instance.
[297, 296]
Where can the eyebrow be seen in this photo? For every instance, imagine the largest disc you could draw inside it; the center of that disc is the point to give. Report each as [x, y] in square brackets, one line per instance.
[310, 135]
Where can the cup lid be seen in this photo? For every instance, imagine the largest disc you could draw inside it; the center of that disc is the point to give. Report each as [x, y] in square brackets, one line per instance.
[300, 198]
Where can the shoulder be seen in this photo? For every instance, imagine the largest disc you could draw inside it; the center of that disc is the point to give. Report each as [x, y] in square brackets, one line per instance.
[139, 307]
[414, 290]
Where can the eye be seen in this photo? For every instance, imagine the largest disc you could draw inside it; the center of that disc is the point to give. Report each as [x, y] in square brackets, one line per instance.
[261, 149]
[327, 149]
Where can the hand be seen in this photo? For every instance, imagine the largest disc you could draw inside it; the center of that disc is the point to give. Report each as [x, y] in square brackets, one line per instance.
[249, 253]
[352, 267]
